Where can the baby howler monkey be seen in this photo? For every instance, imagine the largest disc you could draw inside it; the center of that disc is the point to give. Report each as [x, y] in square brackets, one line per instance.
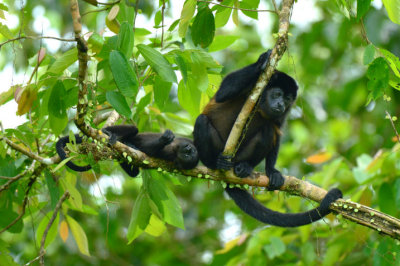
[165, 146]
[261, 140]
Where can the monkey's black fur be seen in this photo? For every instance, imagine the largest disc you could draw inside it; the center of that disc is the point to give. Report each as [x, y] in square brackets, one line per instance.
[165, 146]
[261, 139]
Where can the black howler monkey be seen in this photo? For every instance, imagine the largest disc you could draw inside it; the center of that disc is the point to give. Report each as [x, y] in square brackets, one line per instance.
[165, 146]
[261, 140]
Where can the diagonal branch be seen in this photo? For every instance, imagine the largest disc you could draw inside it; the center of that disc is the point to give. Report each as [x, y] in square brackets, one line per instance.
[277, 52]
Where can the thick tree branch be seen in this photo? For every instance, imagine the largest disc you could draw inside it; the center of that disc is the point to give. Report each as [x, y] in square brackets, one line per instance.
[352, 211]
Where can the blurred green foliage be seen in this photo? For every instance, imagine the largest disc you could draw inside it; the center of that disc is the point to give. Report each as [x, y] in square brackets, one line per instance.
[159, 72]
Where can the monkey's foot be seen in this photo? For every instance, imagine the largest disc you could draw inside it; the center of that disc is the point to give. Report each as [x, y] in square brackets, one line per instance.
[243, 169]
[167, 137]
[275, 180]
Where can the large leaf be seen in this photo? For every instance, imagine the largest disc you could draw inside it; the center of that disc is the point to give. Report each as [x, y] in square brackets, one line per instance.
[140, 216]
[221, 42]
[393, 9]
[53, 188]
[378, 75]
[188, 96]
[68, 184]
[166, 202]
[126, 39]
[79, 235]
[362, 7]
[123, 74]
[161, 91]
[222, 15]
[157, 62]
[57, 109]
[118, 102]
[186, 15]
[67, 59]
[203, 28]
[52, 233]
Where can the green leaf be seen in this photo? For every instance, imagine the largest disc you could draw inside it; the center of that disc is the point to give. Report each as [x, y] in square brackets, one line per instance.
[221, 42]
[66, 59]
[140, 217]
[5, 31]
[276, 248]
[57, 110]
[188, 96]
[141, 32]
[378, 75]
[157, 62]
[125, 39]
[161, 91]
[52, 233]
[199, 73]
[79, 235]
[362, 8]
[392, 60]
[118, 102]
[96, 42]
[166, 202]
[186, 15]
[53, 189]
[203, 28]
[369, 54]
[393, 9]
[123, 74]
[386, 199]
[144, 101]
[250, 5]
[5, 256]
[222, 16]
[68, 184]
[155, 227]
[7, 217]
[181, 63]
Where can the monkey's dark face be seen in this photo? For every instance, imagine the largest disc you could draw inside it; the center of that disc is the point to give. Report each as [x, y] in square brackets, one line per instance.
[187, 155]
[275, 103]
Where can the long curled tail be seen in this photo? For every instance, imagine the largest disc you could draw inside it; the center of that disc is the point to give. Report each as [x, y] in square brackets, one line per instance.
[255, 209]
[60, 145]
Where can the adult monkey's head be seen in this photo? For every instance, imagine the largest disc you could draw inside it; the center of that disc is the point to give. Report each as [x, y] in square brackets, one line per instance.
[278, 96]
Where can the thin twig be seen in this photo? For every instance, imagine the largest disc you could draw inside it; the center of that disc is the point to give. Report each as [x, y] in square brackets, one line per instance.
[25, 202]
[162, 23]
[47, 161]
[238, 8]
[394, 127]
[46, 231]
[36, 38]
[96, 10]
[275, 7]
[15, 178]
